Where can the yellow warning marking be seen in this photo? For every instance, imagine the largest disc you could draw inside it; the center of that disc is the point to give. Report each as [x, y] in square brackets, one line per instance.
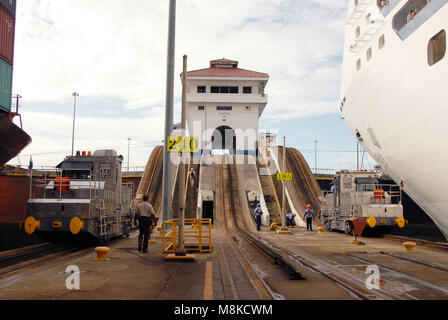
[208, 286]
[183, 144]
[284, 176]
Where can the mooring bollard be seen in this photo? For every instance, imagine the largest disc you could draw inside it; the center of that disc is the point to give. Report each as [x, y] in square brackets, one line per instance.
[101, 253]
[409, 246]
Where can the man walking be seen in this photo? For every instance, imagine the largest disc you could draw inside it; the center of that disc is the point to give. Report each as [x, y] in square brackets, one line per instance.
[309, 214]
[145, 215]
[258, 213]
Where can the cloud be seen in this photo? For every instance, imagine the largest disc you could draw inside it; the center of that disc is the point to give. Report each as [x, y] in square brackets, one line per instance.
[114, 54]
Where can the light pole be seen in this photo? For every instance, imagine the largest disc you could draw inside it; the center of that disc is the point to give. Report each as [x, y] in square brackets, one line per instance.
[166, 183]
[75, 95]
[315, 155]
[129, 140]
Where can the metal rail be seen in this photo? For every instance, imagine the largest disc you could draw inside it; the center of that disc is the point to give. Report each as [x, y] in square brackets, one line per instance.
[263, 290]
[15, 263]
[256, 241]
[408, 277]
[414, 261]
[153, 172]
[297, 167]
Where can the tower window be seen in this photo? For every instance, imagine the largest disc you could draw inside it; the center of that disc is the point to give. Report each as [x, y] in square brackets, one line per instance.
[224, 89]
[437, 48]
[247, 90]
[202, 89]
[358, 32]
[358, 64]
[224, 108]
[201, 108]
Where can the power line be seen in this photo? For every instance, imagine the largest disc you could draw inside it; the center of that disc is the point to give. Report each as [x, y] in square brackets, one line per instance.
[136, 145]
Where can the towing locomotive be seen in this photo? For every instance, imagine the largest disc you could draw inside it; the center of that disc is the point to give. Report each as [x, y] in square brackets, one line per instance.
[85, 199]
[360, 203]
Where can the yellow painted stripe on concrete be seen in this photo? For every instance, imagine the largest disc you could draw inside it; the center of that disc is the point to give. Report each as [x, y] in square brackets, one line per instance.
[208, 286]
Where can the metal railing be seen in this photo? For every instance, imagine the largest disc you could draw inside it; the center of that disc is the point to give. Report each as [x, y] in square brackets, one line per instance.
[387, 6]
[323, 171]
[422, 15]
[197, 235]
[370, 194]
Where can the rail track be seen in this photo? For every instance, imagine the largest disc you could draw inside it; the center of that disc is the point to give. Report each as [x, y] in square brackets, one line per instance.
[31, 257]
[347, 271]
[301, 180]
[153, 190]
[229, 247]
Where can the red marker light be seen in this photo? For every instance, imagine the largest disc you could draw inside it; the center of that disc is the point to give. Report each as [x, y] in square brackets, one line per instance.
[108, 159]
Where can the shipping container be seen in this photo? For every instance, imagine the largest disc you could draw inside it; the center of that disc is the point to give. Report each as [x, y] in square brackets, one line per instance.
[5, 86]
[6, 37]
[9, 6]
[14, 193]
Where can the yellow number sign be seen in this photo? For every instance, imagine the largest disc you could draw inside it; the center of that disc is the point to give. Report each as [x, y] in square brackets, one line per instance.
[284, 176]
[183, 144]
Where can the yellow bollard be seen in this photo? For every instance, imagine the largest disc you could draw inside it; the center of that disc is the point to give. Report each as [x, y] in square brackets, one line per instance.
[409, 246]
[102, 253]
[320, 230]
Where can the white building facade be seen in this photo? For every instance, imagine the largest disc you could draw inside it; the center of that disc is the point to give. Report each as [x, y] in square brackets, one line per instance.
[224, 104]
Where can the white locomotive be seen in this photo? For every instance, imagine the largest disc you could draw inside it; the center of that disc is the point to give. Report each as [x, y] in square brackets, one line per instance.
[359, 201]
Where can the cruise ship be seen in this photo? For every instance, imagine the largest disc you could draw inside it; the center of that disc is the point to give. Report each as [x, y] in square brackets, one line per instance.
[394, 96]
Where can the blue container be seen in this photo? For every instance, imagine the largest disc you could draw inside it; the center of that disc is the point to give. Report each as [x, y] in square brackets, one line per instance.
[9, 6]
[5, 86]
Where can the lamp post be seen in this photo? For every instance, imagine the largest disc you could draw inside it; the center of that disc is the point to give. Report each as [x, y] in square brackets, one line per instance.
[129, 140]
[315, 155]
[167, 182]
[75, 95]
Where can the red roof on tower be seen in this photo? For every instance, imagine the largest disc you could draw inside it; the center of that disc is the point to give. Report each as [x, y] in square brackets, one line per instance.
[226, 68]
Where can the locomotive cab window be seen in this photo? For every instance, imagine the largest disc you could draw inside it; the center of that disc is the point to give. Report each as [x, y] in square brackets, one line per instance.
[437, 48]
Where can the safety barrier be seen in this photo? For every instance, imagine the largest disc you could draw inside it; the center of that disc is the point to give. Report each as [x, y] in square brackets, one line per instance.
[197, 235]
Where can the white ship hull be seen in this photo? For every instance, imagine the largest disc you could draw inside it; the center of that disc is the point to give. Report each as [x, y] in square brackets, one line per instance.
[397, 104]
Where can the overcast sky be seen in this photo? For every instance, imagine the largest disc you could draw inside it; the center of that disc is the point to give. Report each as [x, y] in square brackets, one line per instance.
[113, 52]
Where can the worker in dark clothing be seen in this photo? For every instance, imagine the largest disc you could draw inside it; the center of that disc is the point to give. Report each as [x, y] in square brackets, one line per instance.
[146, 217]
[308, 215]
[192, 176]
[258, 213]
[290, 219]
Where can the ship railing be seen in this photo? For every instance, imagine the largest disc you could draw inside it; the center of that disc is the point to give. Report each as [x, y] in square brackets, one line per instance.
[425, 9]
[386, 6]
